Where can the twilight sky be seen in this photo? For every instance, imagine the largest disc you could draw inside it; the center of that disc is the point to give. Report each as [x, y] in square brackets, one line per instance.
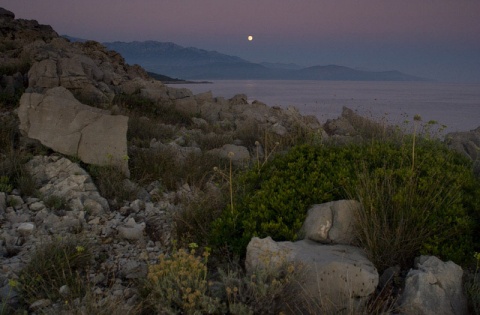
[437, 39]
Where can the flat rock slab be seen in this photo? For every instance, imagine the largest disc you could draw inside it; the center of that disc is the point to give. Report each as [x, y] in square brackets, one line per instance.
[62, 123]
[331, 275]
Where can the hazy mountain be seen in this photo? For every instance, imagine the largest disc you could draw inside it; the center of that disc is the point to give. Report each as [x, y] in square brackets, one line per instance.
[278, 65]
[191, 63]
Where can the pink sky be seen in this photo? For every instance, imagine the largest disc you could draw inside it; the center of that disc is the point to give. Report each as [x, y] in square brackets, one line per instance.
[439, 39]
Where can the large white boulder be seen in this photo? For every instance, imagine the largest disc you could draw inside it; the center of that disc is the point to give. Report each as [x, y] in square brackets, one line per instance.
[62, 123]
[331, 276]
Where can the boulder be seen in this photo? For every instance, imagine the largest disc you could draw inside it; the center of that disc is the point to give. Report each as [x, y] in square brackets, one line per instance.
[239, 99]
[67, 126]
[330, 277]
[434, 287]
[187, 105]
[331, 222]
[131, 230]
[238, 154]
[26, 228]
[468, 144]
[43, 74]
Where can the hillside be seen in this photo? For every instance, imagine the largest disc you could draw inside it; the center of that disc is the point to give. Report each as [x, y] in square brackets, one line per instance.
[121, 195]
[193, 64]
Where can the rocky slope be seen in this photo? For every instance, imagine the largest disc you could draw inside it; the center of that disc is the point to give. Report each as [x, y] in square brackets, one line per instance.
[66, 89]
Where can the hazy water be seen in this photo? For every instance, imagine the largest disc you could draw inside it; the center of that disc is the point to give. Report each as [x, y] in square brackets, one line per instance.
[455, 105]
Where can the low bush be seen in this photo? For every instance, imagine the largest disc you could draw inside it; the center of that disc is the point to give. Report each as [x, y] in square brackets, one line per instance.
[12, 159]
[193, 223]
[55, 264]
[56, 203]
[21, 65]
[111, 184]
[272, 200]
[141, 130]
[172, 168]
[179, 285]
[264, 291]
[431, 198]
[165, 110]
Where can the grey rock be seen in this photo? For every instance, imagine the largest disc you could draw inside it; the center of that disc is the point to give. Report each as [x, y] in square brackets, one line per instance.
[331, 222]
[26, 228]
[239, 99]
[238, 154]
[278, 129]
[62, 178]
[64, 291]
[38, 305]
[468, 144]
[332, 275]
[434, 287]
[93, 135]
[37, 206]
[15, 201]
[131, 230]
[133, 269]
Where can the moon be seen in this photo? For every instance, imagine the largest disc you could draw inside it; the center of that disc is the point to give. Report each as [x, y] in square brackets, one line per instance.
[250, 38]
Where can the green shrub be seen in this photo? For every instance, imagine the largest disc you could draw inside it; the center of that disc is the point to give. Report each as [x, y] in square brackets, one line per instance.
[410, 209]
[5, 185]
[438, 187]
[273, 200]
[56, 203]
[54, 264]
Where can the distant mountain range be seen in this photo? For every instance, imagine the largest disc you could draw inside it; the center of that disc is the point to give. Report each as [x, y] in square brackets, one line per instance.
[197, 64]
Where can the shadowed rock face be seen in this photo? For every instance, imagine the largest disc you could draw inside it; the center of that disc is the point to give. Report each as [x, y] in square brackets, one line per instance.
[67, 126]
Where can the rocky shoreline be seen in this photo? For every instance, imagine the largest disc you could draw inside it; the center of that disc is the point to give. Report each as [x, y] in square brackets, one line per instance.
[66, 94]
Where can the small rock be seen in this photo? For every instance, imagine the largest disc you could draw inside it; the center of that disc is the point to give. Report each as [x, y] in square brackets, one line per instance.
[64, 290]
[26, 228]
[37, 206]
[37, 305]
[15, 201]
[137, 205]
[131, 230]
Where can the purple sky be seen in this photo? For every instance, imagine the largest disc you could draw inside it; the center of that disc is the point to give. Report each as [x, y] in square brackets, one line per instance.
[438, 39]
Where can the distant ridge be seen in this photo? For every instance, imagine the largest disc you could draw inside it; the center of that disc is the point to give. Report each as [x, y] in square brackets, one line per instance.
[191, 63]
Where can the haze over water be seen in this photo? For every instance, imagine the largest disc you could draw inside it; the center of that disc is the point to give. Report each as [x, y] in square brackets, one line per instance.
[455, 105]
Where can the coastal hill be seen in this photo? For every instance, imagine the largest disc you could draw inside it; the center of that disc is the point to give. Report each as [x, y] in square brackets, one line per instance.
[107, 176]
[192, 63]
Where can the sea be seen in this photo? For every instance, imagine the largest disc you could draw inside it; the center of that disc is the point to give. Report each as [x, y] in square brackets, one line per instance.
[455, 106]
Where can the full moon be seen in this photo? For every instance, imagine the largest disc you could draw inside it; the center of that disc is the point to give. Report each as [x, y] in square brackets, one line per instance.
[250, 37]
